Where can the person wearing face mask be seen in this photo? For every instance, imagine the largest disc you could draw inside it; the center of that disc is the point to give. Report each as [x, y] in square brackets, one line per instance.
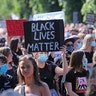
[6, 81]
[47, 69]
[70, 46]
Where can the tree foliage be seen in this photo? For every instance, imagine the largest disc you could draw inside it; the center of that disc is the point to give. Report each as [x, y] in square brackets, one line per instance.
[23, 8]
[88, 7]
[69, 6]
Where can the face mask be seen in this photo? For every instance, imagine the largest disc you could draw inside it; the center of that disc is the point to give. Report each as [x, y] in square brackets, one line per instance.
[93, 43]
[70, 48]
[42, 57]
[85, 62]
[79, 45]
[3, 69]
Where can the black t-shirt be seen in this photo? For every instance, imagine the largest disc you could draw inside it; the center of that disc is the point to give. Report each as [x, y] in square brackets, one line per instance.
[15, 57]
[78, 81]
[13, 73]
[6, 82]
[47, 74]
[89, 56]
[19, 52]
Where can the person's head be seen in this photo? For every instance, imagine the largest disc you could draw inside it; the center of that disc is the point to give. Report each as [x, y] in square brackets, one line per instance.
[87, 41]
[90, 29]
[41, 56]
[70, 43]
[3, 59]
[10, 92]
[74, 31]
[15, 43]
[91, 88]
[7, 52]
[81, 35]
[27, 68]
[69, 47]
[76, 59]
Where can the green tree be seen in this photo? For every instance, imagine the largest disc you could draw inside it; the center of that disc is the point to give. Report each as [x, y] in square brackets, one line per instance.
[88, 7]
[23, 8]
[44, 6]
[5, 6]
[69, 6]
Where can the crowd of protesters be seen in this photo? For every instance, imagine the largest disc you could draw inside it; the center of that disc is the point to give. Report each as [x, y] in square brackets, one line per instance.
[71, 72]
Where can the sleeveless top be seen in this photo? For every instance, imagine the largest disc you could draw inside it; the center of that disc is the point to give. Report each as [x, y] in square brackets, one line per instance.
[31, 95]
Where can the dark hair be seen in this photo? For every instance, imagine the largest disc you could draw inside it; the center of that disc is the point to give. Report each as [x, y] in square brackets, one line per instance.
[36, 71]
[76, 59]
[5, 50]
[14, 44]
[3, 59]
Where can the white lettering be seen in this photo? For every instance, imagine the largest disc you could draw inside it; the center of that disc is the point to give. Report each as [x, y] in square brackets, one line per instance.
[51, 26]
[35, 36]
[56, 47]
[35, 27]
[44, 35]
[46, 26]
[40, 46]
[30, 46]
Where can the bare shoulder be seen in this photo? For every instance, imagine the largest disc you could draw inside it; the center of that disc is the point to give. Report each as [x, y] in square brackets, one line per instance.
[17, 88]
[44, 85]
[45, 89]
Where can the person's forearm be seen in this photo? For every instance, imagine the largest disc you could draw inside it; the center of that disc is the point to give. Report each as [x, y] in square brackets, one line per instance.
[64, 64]
[72, 94]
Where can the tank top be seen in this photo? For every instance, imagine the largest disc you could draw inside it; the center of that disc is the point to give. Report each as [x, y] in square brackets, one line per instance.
[31, 95]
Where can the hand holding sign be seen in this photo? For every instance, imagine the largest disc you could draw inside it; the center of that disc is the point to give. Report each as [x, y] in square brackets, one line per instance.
[63, 49]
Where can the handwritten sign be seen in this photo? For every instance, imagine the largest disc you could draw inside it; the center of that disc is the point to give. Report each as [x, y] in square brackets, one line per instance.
[46, 35]
[49, 16]
[15, 27]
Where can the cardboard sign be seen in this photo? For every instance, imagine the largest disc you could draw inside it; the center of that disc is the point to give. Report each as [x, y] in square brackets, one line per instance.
[15, 27]
[90, 18]
[49, 16]
[46, 35]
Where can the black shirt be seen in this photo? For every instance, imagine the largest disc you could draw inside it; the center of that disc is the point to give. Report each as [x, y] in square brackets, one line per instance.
[6, 82]
[78, 81]
[47, 74]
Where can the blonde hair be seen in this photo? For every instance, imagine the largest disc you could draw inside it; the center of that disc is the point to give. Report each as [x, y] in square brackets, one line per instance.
[87, 41]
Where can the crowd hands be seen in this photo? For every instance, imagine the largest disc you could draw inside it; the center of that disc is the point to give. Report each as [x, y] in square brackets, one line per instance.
[68, 72]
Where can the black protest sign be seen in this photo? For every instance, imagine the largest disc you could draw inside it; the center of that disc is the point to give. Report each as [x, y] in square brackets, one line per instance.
[77, 17]
[90, 19]
[46, 35]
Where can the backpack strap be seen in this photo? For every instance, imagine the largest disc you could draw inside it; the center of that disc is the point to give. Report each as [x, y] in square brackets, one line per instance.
[23, 89]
